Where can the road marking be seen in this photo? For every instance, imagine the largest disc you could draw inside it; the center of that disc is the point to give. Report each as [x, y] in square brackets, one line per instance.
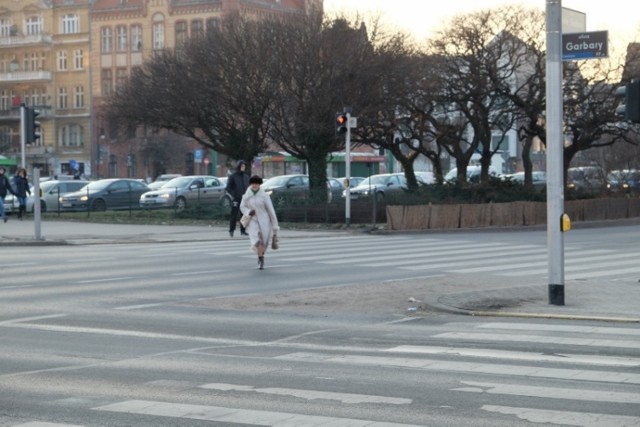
[590, 342]
[139, 306]
[476, 368]
[14, 322]
[110, 279]
[551, 392]
[232, 415]
[45, 424]
[18, 264]
[520, 355]
[565, 418]
[310, 394]
[193, 273]
[560, 328]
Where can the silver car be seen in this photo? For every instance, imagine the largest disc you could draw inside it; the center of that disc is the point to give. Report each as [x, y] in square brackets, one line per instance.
[185, 191]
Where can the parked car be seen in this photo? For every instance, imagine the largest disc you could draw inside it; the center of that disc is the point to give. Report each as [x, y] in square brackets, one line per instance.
[335, 188]
[473, 173]
[162, 180]
[586, 179]
[379, 185]
[353, 181]
[111, 193]
[282, 187]
[185, 191]
[539, 179]
[50, 192]
[425, 178]
[624, 181]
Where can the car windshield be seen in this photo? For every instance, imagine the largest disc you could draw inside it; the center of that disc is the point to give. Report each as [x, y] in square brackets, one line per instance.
[374, 180]
[177, 182]
[97, 185]
[276, 181]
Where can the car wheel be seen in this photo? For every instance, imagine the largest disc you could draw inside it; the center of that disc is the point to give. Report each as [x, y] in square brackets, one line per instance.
[99, 205]
[181, 203]
[280, 201]
[380, 197]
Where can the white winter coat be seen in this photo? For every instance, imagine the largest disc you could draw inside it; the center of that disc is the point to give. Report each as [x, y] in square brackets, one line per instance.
[264, 222]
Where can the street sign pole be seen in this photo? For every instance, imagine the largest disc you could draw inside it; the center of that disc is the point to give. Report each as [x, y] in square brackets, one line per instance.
[23, 135]
[347, 168]
[555, 179]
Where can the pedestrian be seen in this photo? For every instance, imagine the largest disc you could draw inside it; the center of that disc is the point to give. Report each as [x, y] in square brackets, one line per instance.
[264, 223]
[21, 186]
[5, 187]
[237, 185]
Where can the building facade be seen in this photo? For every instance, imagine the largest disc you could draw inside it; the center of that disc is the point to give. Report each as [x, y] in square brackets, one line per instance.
[65, 57]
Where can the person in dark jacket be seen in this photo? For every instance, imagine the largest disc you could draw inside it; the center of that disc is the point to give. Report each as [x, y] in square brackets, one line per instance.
[237, 185]
[21, 186]
[5, 187]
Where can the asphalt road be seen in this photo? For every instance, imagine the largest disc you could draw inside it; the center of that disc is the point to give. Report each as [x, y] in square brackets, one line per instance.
[191, 333]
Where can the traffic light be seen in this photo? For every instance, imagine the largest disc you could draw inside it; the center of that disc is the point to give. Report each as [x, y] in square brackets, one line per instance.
[342, 121]
[32, 125]
[630, 109]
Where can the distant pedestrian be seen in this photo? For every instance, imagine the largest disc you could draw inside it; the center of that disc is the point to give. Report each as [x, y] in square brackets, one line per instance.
[21, 187]
[5, 187]
[264, 223]
[237, 185]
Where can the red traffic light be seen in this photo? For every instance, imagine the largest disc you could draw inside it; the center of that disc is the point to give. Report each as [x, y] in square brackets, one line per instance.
[341, 123]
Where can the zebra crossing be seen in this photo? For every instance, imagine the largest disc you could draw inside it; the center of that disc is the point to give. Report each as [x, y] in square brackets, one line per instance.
[454, 256]
[592, 372]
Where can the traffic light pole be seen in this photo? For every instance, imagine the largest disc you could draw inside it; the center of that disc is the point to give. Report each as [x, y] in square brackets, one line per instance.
[347, 168]
[23, 135]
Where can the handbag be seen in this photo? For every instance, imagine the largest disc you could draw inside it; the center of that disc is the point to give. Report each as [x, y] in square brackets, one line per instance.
[245, 220]
[275, 242]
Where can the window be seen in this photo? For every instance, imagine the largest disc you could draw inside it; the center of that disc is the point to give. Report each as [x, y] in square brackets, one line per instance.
[78, 59]
[197, 28]
[121, 38]
[136, 38]
[212, 23]
[5, 27]
[106, 39]
[78, 98]
[62, 98]
[4, 100]
[107, 82]
[181, 33]
[70, 24]
[158, 31]
[34, 25]
[31, 61]
[121, 78]
[62, 60]
[71, 136]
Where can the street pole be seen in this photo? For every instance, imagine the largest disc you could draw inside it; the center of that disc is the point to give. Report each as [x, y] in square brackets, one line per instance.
[347, 168]
[23, 135]
[555, 180]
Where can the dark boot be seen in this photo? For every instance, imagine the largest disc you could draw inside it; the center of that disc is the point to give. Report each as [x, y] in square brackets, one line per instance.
[261, 262]
[20, 210]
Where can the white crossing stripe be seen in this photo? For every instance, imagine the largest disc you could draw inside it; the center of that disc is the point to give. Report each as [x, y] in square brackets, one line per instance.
[232, 415]
[591, 342]
[551, 417]
[310, 394]
[551, 392]
[468, 367]
[45, 424]
[602, 330]
[520, 355]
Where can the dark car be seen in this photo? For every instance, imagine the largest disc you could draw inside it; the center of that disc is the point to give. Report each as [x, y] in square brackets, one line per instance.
[624, 181]
[112, 193]
[586, 179]
[283, 187]
[538, 179]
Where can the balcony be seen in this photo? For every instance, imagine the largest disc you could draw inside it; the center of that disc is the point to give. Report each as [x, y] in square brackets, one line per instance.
[24, 76]
[18, 40]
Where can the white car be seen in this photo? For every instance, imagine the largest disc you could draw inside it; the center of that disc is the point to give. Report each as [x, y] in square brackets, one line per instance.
[185, 191]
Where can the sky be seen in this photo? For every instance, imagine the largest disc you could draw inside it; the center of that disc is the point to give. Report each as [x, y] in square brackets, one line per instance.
[423, 17]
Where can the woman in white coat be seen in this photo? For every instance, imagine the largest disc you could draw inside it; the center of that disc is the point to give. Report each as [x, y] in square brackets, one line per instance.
[264, 222]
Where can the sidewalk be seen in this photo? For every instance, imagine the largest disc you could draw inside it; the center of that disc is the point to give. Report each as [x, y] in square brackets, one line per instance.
[591, 299]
